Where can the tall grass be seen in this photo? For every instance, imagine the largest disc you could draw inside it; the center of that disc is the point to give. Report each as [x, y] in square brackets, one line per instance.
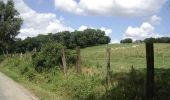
[51, 84]
[127, 83]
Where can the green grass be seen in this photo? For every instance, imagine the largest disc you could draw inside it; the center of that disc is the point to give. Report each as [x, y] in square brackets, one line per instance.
[123, 59]
[52, 84]
[127, 83]
[14, 67]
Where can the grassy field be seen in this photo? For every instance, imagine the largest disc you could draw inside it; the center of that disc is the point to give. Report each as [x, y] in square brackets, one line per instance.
[127, 83]
[126, 55]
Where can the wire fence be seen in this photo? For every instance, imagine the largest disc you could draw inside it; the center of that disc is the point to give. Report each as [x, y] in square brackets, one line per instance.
[127, 57]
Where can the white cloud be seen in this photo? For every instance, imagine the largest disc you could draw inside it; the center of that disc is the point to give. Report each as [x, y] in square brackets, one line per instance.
[82, 28]
[155, 20]
[139, 32]
[107, 31]
[147, 29]
[68, 5]
[38, 23]
[110, 7]
[43, 23]
[115, 41]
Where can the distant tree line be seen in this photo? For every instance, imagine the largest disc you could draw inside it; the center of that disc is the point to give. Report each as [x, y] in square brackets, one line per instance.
[158, 40]
[153, 40]
[86, 38]
[127, 40]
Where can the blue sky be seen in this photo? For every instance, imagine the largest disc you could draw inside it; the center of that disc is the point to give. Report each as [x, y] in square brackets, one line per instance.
[137, 19]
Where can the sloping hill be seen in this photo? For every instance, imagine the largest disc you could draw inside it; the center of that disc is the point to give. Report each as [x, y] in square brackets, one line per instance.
[123, 56]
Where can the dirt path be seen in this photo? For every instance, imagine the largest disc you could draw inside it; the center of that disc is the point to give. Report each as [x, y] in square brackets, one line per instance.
[10, 90]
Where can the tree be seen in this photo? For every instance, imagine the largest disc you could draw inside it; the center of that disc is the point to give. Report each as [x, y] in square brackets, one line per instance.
[127, 40]
[10, 24]
[86, 38]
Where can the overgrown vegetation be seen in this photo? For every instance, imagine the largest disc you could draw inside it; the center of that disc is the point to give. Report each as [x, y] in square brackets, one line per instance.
[127, 83]
[40, 67]
[50, 56]
[53, 81]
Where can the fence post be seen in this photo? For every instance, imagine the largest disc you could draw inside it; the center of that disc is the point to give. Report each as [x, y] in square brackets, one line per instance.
[64, 61]
[150, 70]
[21, 56]
[108, 77]
[78, 62]
[4, 53]
[35, 50]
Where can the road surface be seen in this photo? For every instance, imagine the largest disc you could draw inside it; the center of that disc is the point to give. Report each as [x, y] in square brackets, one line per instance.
[10, 90]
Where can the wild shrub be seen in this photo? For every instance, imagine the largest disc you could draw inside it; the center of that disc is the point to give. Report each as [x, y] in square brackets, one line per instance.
[77, 87]
[50, 56]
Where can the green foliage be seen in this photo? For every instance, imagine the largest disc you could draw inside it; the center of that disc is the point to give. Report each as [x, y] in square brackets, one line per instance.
[10, 24]
[70, 40]
[158, 40]
[78, 87]
[50, 56]
[127, 83]
[127, 40]
[72, 86]
[155, 40]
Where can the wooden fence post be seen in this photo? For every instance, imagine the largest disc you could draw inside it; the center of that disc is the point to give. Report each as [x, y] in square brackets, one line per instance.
[4, 53]
[108, 77]
[35, 50]
[78, 62]
[150, 70]
[21, 56]
[64, 61]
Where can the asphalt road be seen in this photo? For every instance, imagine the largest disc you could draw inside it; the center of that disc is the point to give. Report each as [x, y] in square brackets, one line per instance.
[10, 90]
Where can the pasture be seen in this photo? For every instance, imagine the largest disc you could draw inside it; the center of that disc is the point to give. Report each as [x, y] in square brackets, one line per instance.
[123, 56]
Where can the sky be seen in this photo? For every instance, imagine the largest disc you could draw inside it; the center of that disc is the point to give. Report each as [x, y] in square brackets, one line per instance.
[136, 19]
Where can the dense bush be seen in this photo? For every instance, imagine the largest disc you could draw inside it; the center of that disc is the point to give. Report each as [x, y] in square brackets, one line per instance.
[50, 56]
[127, 40]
